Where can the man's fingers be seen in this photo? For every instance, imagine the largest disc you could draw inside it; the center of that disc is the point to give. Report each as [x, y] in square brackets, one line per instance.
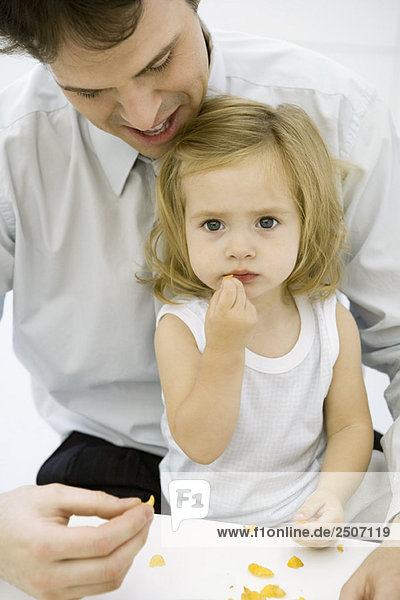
[81, 502]
[351, 591]
[92, 542]
[79, 578]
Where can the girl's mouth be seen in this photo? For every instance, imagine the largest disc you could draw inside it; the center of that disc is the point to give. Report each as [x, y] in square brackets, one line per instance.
[244, 276]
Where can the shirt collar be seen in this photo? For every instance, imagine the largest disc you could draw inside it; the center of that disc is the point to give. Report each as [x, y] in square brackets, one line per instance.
[217, 79]
[117, 157]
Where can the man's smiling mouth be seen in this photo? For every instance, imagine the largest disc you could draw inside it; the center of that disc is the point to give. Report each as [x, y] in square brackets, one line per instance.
[160, 128]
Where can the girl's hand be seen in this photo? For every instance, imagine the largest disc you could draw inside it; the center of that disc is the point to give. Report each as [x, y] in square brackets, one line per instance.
[321, 509]
[230, 318]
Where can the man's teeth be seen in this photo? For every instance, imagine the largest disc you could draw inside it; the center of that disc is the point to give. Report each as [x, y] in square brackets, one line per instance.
[159, 128]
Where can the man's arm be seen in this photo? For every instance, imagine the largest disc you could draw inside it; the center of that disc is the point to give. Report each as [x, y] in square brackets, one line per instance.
[372, 284]
[372, 278]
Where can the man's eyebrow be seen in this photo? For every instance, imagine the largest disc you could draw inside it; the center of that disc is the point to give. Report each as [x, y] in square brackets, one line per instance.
[148, 67]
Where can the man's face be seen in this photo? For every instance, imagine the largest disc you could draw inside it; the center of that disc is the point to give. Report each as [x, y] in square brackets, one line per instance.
[147, 87]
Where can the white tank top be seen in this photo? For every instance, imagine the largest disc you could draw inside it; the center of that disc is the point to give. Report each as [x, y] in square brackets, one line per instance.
[273, 460]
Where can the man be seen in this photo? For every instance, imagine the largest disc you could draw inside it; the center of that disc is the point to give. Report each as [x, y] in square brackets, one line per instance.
[76, 202]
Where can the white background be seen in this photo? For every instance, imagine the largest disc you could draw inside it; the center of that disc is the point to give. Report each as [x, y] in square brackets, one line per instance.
[362, 34]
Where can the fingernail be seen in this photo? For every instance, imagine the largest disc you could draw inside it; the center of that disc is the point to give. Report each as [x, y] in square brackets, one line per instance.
[148, 513]
[130, 501]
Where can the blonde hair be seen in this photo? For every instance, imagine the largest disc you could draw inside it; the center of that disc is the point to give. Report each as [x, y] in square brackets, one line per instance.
[226, 131]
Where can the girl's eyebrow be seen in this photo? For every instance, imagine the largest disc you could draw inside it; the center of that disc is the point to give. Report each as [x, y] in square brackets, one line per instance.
[267, 210]
[149, 66]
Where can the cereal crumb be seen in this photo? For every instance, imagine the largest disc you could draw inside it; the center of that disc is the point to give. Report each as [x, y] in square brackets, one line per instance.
[157, 561]
[260, 571]
[340, 547]
[272, 591]
[250, 595]
[295, 562]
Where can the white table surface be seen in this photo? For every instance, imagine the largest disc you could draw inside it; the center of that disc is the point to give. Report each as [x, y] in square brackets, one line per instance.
[200, 566]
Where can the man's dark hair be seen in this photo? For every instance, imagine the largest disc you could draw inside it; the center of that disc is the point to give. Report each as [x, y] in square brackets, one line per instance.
[41, 27]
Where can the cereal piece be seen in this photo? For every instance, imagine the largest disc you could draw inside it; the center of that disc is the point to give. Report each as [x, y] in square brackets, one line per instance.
[260, 571]
[272, 591]
[157, 561]
[294, 562]
[249, 595]
[227, 276]
[340, 547]
[250, 528]
[150, 500]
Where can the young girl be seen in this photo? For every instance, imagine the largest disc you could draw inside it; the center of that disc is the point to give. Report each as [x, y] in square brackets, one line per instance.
[260, 365]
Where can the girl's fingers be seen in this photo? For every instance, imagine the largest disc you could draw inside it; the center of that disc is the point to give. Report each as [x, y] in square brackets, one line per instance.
[241, 297]
[228, 294]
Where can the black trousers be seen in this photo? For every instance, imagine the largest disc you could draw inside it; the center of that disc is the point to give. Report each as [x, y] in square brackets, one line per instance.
[89, 462]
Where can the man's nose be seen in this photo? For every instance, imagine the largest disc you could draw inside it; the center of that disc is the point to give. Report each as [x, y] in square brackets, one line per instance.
[139, 106]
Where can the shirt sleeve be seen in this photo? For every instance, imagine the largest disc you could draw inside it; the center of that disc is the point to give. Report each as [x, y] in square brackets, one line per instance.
[372, 278]
[391, 447]
[7, 244]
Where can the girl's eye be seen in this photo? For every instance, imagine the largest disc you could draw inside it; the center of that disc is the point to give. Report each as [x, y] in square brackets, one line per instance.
[267, 222]
[162, 66]
[212, 225]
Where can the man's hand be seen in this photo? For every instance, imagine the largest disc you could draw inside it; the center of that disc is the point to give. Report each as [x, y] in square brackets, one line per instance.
[321, 508]
[42, 556]
[230, 318]
[377, 578]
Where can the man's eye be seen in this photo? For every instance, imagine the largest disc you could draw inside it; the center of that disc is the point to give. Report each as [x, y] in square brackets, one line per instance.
[267, 222]
[162, 66]
[212, 225]
[93, 94]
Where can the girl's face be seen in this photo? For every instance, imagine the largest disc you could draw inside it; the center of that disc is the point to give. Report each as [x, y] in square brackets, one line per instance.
[242, 220]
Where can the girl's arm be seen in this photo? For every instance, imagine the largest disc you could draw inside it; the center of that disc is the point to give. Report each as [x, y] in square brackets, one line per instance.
[350, 435]
[347, 417]
[202, 391]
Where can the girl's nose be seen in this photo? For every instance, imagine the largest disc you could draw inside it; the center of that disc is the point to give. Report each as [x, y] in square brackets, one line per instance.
[240, 247]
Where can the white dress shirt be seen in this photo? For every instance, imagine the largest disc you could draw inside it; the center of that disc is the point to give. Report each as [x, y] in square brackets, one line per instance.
[75, 207]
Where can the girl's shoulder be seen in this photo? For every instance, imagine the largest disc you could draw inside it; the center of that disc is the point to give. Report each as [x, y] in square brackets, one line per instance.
[181, 305]
[192, 311]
